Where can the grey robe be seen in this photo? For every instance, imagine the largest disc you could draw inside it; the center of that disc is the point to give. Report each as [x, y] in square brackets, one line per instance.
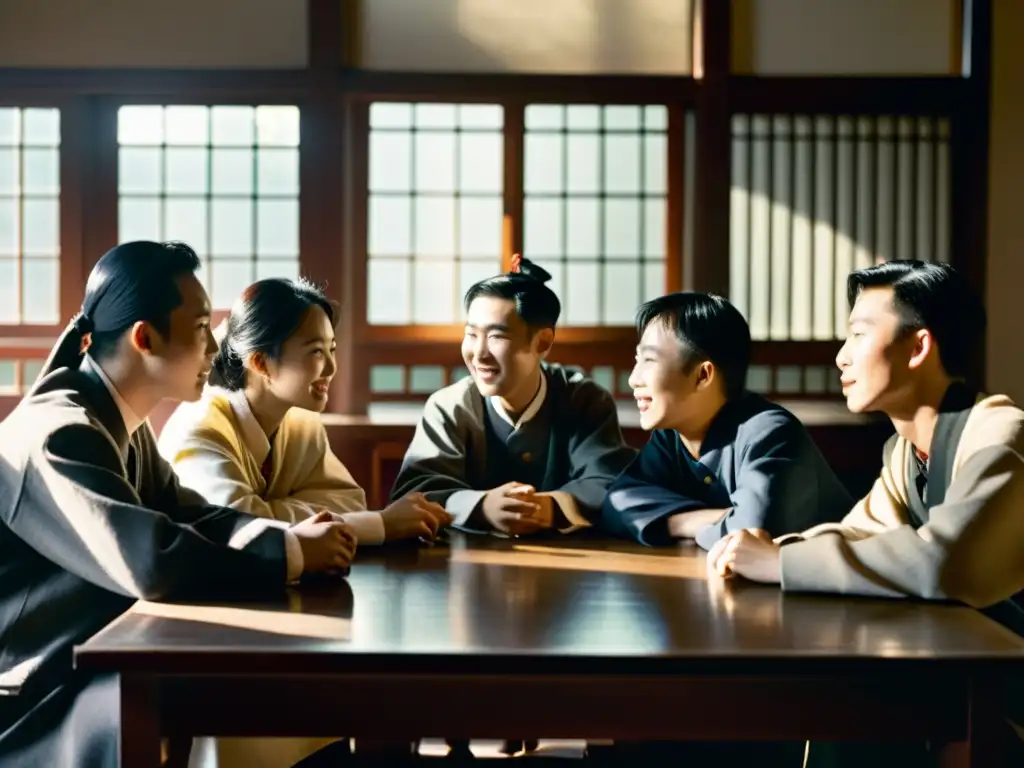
[90, 522]
[574, 445]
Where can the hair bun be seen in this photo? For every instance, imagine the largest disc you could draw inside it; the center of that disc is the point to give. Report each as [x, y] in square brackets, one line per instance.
[523, 266]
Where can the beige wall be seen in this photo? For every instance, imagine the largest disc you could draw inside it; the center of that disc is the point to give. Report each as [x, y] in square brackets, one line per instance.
[564, 36]
[152, 33]
[843, 37]
[1006, 217]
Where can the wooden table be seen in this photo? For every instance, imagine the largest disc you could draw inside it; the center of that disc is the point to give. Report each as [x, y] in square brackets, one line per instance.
[570, 638]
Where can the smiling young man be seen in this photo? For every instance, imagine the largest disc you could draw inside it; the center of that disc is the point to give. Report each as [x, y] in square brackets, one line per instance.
[720, 458]
[520, 446]
[943, 520]
[92, 519]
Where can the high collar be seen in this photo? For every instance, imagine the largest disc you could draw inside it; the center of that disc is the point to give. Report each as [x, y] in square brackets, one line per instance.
[531, 410]
[131, 420]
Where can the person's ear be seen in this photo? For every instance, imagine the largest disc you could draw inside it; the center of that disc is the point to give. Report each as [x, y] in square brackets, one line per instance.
[923, 343]
[705, 375]
[258, 364]
[543, 340]
[142, 337]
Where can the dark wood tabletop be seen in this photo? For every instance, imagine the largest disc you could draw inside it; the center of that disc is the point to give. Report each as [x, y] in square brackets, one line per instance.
[536, 635]
[574, 605]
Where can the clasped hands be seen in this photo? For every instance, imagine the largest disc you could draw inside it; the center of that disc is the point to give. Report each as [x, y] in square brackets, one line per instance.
[517, 509]
[750, 553]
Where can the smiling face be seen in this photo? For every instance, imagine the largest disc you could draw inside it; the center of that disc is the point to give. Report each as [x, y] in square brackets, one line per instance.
[301, 376]
[501, 355]
[877, 360]
[182, 360]
[668, 395]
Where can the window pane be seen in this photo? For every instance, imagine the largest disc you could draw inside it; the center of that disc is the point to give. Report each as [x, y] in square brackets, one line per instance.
[622, 228]
[543, 167]
[186, 171]
[140, 125]
[390, 162]
[233, 126]
[9, 299]
[278, 172]
[266, 268]
[435, 173]
[541, 117]
[228, 279]
[41, 287]
[10, 126]
[480, 162]
[387, 379]
[187, 125]
[480, 228]
[426, 379]
[224, 179]
[277, 126]
[584, 163]
[8, 227]
[621, 293]
[231, 228]
[542, 225]
[435, 230]
[622, 164]
[139, 218]
[388, 295]
[41, 172]
[434, 295]
[10, 173]
[232, 172]
[582, 294]
[140, 171]
[390, 226]
[582, 228]
[277, 227]
[40, 227]
[435, 162]
[387, 115]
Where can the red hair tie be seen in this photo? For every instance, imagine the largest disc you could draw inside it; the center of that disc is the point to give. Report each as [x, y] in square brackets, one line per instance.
[517, 261]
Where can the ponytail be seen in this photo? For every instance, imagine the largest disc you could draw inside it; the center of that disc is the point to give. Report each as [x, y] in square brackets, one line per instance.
[70, 347]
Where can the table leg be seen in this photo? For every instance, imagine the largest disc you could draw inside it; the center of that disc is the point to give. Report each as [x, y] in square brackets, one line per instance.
[140, 722]
[987, 731]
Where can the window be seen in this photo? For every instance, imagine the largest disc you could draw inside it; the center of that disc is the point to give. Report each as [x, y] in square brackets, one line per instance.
[29, 216]
[817, 196]
[434, 214]
[224, 179]
[595, 206]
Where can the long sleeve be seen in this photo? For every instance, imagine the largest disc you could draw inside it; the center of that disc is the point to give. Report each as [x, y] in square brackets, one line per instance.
[778, 486]
[597, 454]
[435, 464]
[77, 509]
[651, 489]
[208, 464]
[969, 550]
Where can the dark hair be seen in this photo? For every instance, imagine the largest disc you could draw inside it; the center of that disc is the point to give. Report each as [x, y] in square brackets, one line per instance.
[536, 304]
[131, 282]
[932, 296]
[263, 318]
[709, 328]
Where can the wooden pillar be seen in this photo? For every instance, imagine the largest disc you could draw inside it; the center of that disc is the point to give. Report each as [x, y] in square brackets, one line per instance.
[707, 269]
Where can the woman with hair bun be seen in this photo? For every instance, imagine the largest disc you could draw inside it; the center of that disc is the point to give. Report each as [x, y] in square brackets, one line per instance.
[255, 440]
